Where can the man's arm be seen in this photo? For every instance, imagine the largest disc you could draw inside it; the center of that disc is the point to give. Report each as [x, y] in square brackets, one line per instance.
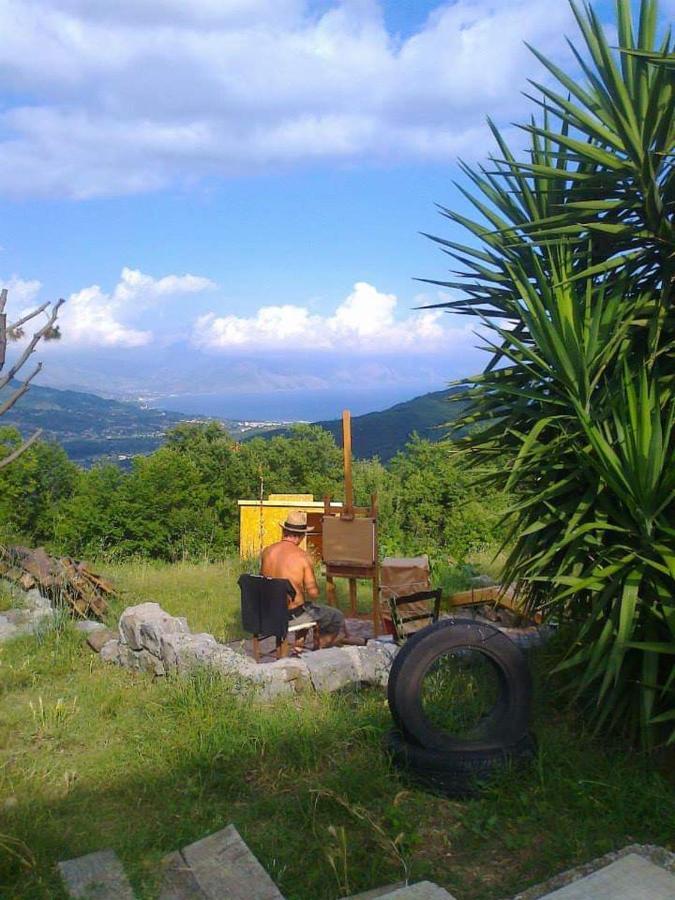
[311, 588]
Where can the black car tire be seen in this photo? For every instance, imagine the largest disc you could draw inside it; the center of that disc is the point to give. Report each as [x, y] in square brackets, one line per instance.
[508, 721]
[455, 774]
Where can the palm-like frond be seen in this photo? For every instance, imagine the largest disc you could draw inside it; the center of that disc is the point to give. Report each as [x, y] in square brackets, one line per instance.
[569, 271]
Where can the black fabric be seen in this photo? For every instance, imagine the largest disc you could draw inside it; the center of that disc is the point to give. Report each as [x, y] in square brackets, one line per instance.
[264, 605]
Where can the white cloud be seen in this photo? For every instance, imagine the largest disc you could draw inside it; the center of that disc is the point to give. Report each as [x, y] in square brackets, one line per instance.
[20, 293]
[139, 94]
[365, 322]
[94, 317]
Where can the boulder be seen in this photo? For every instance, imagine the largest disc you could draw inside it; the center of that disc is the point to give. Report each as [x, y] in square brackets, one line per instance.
[88, 626]
[181, 652]
[98, 639]
[372, 662]
[331, 669]
[121, 654]
[143, 626]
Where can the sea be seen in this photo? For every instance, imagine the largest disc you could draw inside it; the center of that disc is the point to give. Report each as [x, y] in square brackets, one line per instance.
[292, 406]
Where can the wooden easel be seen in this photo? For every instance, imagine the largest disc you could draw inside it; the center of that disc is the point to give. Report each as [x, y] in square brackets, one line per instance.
[349, 512]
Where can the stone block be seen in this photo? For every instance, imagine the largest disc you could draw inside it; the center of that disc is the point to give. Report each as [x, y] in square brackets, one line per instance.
[423, 890]
[372, 663]
[121, 654]
[331, 669]
[143, 626]
[223, 866]
[98, 639]
[88, 626]
[630, 878]
[97, 876]
[178, 880]
[182, 652]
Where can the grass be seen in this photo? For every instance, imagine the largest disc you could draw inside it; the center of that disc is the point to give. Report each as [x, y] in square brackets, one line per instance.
[93, 756]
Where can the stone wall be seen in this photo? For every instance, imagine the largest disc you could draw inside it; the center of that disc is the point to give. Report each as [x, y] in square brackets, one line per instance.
[151, 640]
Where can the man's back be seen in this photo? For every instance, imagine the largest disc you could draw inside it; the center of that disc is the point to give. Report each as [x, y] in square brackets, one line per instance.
[286, 560]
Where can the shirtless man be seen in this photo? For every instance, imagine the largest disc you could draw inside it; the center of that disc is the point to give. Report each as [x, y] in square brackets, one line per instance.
[286, 559]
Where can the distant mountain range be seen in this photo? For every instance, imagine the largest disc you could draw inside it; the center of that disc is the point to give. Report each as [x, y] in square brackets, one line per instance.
[386, 432]
[91, 428]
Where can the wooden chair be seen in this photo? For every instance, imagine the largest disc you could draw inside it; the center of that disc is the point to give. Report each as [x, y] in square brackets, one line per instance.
[401, 617]
[282, 643]
[264, 612]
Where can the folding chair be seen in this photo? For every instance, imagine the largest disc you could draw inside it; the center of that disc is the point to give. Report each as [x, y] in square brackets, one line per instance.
[402, 618]
[264, 612]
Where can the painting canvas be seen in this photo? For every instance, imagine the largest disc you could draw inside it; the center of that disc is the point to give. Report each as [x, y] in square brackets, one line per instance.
[348, 542]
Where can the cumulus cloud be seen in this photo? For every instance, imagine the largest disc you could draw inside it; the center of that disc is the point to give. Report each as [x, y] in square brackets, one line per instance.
[107, 98]
[94, 317]
[365, 322]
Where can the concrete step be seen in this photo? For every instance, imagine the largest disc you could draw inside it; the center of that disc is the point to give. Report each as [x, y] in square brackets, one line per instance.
[630, 878]
[178, 880]
[96, 876]
[377, 892]
[223, 866]
[423, 890]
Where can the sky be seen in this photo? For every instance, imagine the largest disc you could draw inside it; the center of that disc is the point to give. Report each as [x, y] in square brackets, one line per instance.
[230, 193]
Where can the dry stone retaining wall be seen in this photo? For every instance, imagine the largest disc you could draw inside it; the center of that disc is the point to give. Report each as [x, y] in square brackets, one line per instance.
[151, 640]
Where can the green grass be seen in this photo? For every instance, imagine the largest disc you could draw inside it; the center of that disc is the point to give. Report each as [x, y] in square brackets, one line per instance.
[92, 756]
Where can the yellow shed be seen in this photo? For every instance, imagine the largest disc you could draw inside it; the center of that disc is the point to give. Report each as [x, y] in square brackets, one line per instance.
[260, 521]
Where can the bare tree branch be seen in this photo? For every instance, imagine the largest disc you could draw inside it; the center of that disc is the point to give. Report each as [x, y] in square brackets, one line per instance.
[6, 460]
[31, 345]
[3, 327]
[31, 315]
[20, 391]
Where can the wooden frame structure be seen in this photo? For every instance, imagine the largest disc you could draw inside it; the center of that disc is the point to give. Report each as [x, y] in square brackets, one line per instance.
[352, 571]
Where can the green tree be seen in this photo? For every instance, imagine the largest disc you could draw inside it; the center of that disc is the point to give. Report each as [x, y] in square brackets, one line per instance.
[571, 275]
[32, 488]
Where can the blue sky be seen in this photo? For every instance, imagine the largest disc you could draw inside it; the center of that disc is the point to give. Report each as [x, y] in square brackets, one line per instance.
[229, 192]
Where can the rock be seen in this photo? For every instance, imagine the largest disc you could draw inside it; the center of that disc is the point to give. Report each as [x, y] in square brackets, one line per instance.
[331, 669]
[34, 600]
[99, 638]
[224, 866]
[121, 654]
[97, 875]
[88, 626]
[372, 662]
[181, 652]
[142, 626]
[291, 670]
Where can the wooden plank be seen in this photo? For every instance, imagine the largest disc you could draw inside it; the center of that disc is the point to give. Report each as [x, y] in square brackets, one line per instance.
[224, 866]
[96, 876]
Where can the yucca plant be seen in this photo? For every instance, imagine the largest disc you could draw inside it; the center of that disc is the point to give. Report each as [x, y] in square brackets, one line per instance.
[570, 275]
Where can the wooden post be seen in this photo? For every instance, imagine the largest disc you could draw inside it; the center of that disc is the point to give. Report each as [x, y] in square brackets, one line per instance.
[376, 574]
[352, 597]
[348, 511]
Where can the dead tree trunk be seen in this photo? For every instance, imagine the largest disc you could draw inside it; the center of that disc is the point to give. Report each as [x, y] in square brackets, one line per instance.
[14, 331]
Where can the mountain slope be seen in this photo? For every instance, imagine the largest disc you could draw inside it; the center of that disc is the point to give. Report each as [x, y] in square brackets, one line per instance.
[386, 432]
[89, 427]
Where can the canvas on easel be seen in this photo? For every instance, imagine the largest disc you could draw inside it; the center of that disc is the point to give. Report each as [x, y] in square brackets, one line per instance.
[349, 542]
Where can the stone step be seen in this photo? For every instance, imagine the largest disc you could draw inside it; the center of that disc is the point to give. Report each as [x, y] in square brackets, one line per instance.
[374, 893]
[223, 866]
[96, 876]
[423, 890]
[178, 880]
[630, 878]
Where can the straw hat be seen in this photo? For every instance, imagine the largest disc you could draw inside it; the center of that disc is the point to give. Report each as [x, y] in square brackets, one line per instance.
[296, 522]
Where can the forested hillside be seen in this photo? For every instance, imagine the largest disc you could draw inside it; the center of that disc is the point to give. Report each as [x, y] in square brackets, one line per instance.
[181, 500]
[384, 433]
[91, 428]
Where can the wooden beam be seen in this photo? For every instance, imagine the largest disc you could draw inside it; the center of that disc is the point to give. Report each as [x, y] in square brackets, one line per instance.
[348, 511]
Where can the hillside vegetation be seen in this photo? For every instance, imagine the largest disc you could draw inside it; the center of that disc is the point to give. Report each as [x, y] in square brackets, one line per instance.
[385, 433]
